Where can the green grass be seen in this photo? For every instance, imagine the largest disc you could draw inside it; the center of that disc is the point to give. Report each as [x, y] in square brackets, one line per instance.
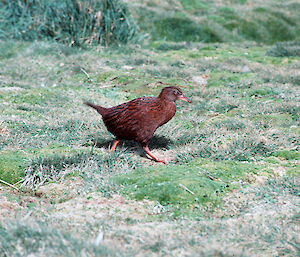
[207, 181]
[91, 165]
[12, 165]
[180, 28]
[192, 5]
[284, 49]
[241, 129]
[229, 106]
[287, 154]
[40, 97]
[40, 239]
[227, 79]
[293, 170]
[48, 20]
[213, 21]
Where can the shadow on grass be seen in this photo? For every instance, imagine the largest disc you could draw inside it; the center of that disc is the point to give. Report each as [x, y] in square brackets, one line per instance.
[156, 142]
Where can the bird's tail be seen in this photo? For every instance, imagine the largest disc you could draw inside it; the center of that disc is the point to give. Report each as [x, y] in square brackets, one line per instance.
[101, 110]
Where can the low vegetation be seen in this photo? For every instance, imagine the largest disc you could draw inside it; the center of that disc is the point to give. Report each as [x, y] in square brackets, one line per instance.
[37, 238]
[231, 185]
[72, 22]
[219, 21]
[188, 188]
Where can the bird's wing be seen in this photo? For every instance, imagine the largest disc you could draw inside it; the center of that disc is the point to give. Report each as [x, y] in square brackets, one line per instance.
[144, 109]
[134, 115]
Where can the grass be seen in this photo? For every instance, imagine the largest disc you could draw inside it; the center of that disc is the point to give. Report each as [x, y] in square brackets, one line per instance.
[288, 155]
[231, 185]
[38, 238]
[284, 49]
[229, 106]
[188, 188]
[107, 22]
[12, 165]
[213, 21]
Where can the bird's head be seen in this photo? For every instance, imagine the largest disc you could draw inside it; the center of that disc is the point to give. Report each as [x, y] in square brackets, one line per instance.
[172, 94]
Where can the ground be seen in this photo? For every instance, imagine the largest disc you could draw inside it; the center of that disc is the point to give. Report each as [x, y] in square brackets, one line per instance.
[238, 138]
[231, 185]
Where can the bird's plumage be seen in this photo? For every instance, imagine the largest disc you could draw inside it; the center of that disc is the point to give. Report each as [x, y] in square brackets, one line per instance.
[139, 118]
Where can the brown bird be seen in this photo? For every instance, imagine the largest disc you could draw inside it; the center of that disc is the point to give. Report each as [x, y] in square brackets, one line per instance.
[139, 118]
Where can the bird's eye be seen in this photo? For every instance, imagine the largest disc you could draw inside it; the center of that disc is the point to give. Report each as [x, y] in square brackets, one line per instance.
[176, 93]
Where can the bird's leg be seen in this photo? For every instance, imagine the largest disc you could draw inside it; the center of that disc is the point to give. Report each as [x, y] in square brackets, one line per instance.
[152, 155]
[116, 141]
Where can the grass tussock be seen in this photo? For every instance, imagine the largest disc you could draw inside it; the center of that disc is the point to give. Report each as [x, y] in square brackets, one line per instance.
[78, 23]
[37, 238]
[93, 168]
[284, 49]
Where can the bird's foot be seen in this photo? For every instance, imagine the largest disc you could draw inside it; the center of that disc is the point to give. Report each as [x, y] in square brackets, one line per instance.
[153, 157]
[162, 161]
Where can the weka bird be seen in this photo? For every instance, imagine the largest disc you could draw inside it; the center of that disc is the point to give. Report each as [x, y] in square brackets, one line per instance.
[139, 118]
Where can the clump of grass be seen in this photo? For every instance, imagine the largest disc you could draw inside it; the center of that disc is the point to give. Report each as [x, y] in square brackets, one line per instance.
[263, 91]
[188, 187]
[222, 139]
[286, 185]
[8, 49]
[260, 24]
[183, 29]
[93, 168]
[73, 22]
[51, 168]
[168, 46]
[38, 239]
[287, 154]
[97, 170]
[284, 49]
[12, 165]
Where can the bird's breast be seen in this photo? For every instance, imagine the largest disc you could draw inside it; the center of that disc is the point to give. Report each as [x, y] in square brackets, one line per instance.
[166, 112]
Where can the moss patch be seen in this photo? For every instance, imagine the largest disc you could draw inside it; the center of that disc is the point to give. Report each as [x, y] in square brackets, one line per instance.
[187, 187]
[12, 164]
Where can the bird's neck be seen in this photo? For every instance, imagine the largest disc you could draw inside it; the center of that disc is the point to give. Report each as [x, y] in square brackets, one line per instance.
[167, 104]
[167, 110]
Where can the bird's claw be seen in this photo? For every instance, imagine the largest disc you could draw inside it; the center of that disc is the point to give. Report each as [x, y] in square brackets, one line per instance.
[153, 157]
[162, 161]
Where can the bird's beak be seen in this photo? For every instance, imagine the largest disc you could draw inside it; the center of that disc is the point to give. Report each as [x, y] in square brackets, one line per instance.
[183, 98]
